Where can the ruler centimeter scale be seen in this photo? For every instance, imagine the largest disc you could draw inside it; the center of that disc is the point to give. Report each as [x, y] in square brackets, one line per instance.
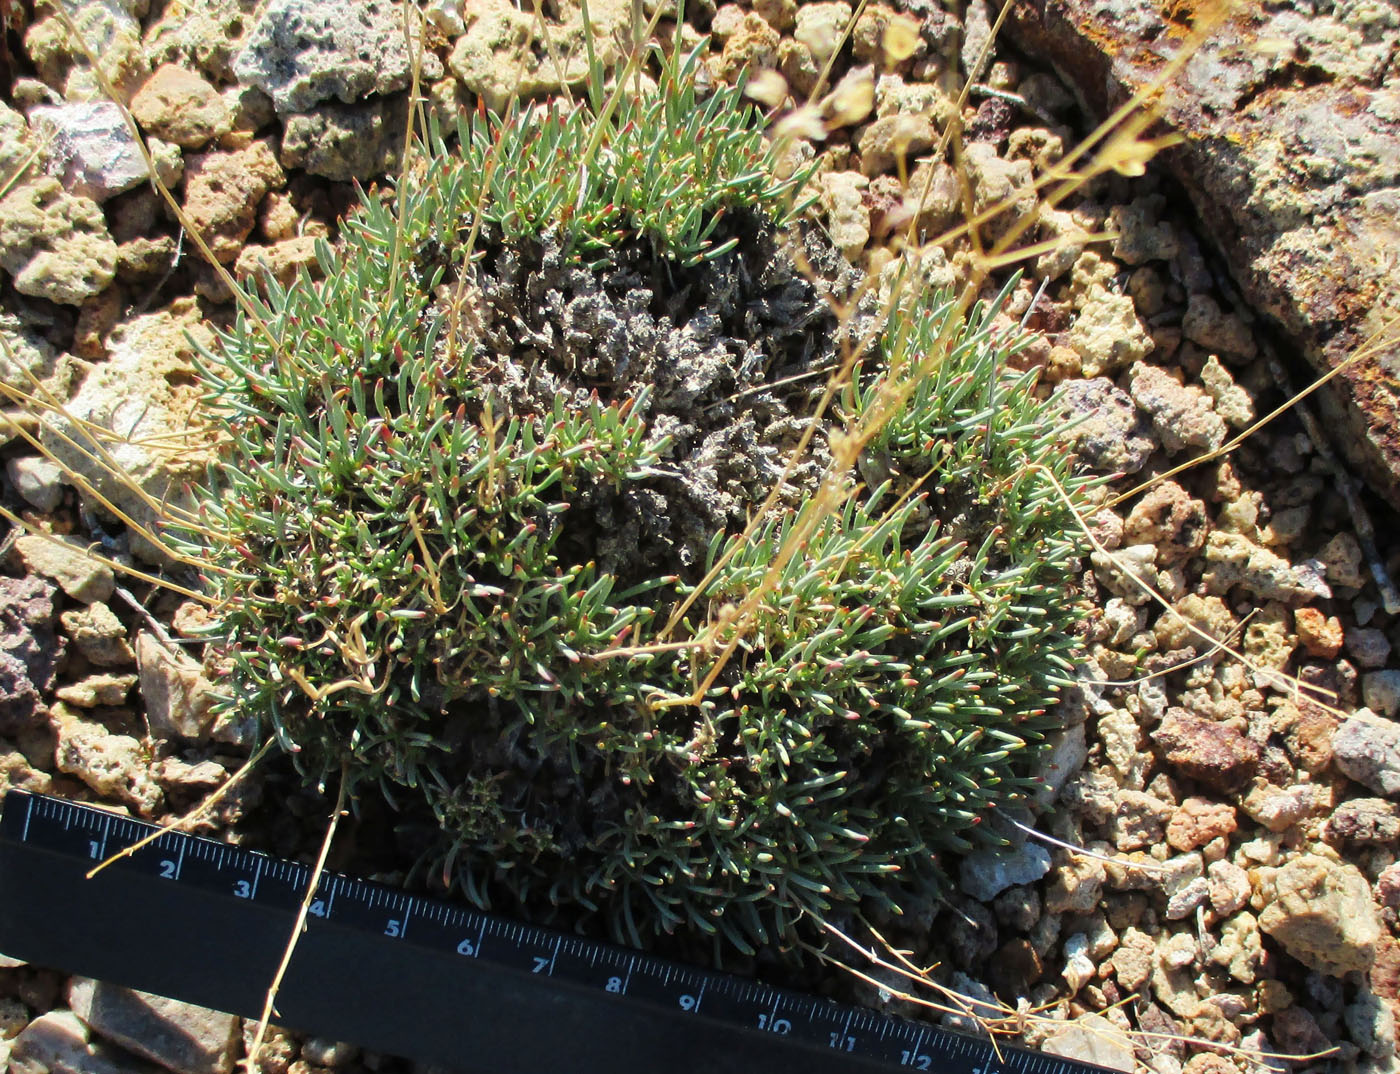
[197, 920]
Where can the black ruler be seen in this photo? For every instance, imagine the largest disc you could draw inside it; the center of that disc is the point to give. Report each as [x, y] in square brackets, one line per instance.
[198, 920]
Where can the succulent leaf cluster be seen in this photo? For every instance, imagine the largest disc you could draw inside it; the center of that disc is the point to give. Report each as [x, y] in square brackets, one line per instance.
[663, 165]
[407, 588]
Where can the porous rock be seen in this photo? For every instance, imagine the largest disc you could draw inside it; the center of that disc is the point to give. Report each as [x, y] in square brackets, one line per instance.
[178, 105]
[181, 1037]
[1105, 428]
[29, 651]
[1290, 157]
[342, 143]
[1214, 754]
[1108, 335]
[145, 394]
[1367, 748]
[1183, 415]
[55, 244]
[115, 766]
[1322, 914]
[99, 635]
[302, 52]
[223, 190]
[504, 53]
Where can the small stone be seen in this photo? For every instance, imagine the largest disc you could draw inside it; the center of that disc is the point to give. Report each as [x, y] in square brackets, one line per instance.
[1234, 560]
[283, 261]
[178, 697]
[1239, 949]
[1368, 646]
[1232, 402]
[1184, 902]
[1212, 329]
[302, 52]
[1212, 753]
[1322, 914]
[223, 190]
[1365, 820]
[1279, 809]
[1296, 1032]
[1199, 820]
[38, 480]
[821, 27]
[1004, 192]
[1075, 886]
[1182, 415]
[1133, 958]
[1092, 1039]
[1380, 690]
[55, 244]
[1142, 235]
[1229, 887]
[1139, 821]
[99, 635]
[112, 765]
[1170, 519]
[848, 217]
[345, 142]
[181, 107]
[1105, 428]
[1371, 1022]
[65, 560]
[57, 1042]
[1129, 572]
[984, 874]
[97, 690]
[329, 1053]
[755, 44]
[1320, 634]
[91, 148]
[1341, 557]
[1367, 749]
[179, 1036]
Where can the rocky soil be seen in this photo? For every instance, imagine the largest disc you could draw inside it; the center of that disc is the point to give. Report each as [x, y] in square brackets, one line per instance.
[1241, 817]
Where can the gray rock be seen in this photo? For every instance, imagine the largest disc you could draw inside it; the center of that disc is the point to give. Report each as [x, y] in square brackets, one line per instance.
[984, 874]
[178, 697]
[1103, 425]
[1369, 647]
[1092, 1039]
[1290, 157]
[115, 766]
[302, 52]
[57, 1042]
[344, 143]
[55, 244]
[1381, 692]
[65, 560]
[29, 651]
[179, 1036]
[38, 480]
[91, 148]
[1367, 749]
[1183, 415]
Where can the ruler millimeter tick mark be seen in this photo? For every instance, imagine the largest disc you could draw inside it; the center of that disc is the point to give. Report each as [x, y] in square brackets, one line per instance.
[200, 921]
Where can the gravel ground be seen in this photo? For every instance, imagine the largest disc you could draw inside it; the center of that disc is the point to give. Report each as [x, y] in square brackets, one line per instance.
[1242, 888]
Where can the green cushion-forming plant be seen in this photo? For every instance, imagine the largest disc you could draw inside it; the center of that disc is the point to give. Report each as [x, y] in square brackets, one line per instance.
[405, 594]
